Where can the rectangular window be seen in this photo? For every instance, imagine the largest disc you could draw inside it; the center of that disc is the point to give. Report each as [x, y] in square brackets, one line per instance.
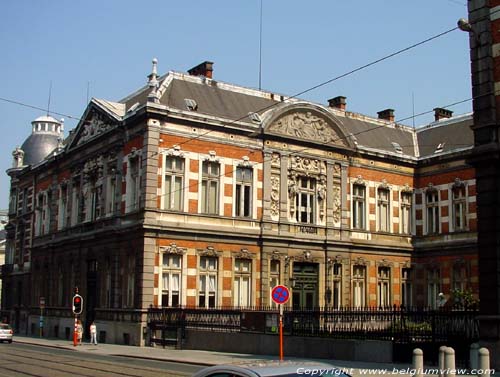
[274, 278]
[359, 286]
[383, 210]
[405, 220]
[171, 280]
[459, 208]
[459, 277]
[358, 206]
[207, 290]
[111, 194]
[133, 185]
[94, 203]
[432, 203]
[305, 200]
[174, 183]
[243, 200]
[384, 287]
[76, 208]
[13, 201]
[406, 288]
[335, 297]
[242, 282]
[210, 187]
[39, 213]
[63, 207]
[433, 287]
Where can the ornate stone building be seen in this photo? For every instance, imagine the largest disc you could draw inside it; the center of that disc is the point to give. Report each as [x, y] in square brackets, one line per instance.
[195, 192]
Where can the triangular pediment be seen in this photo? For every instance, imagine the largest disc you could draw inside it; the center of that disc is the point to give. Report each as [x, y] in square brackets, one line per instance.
[95, 122]
[307, 123]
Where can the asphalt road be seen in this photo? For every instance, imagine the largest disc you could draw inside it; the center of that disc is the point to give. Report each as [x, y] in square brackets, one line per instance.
[29, 360]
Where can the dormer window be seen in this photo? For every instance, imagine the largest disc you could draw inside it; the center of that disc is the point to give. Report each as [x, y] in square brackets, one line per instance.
[254, 117]
[191, 104]
[439, 148]
[397, 147]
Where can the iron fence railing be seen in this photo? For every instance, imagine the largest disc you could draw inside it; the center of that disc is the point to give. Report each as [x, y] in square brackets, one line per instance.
[394, 323]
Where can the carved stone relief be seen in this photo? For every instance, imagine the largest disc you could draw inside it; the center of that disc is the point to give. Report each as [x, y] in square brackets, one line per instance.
[172, 249]
[305, 125]
[275, 195]
[95, 127]
[336, 204]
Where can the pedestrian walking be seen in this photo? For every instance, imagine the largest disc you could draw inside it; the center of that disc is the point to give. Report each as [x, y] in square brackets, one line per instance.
[93, 333]
[79, 332]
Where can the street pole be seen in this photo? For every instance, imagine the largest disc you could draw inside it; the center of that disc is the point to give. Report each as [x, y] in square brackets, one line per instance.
[281, 332]
[75, 340]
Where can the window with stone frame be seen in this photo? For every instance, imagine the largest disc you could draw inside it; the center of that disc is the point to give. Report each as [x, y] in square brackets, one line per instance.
[274, 278]
[39, 213]
[62, 215]
[459, 276]
[94, 203]
[305, 200]
[406, 208]
[459, 201]
[25, 200]
[13, 201]
[432, 211]
[359, 286]
[384, 286]
[111, 193]
[210, 187]
[244, 191]
[173, 189]
[242, 282]
[208, 277]
[358, 206]
[76, 202]
[133, 183]
[433, 287]
[334, 294]
[383, 209]
[130, 282]
[406, 287]
[171, 280]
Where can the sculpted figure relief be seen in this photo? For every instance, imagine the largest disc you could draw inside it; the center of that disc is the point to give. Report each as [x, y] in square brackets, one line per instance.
[306, 126]
[95, 127]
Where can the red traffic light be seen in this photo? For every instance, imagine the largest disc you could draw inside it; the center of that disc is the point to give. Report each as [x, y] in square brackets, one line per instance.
[77, 304]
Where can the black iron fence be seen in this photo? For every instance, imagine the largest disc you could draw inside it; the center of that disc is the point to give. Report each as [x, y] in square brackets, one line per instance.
[405, 327]
[353, 323]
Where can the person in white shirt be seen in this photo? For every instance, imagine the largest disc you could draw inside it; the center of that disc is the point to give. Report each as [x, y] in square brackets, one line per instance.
[93, 333]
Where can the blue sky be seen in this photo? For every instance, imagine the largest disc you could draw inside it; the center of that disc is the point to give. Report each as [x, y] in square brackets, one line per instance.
[108, 45]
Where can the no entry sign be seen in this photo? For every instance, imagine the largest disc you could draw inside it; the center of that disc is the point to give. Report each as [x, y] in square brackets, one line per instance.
[280, 294]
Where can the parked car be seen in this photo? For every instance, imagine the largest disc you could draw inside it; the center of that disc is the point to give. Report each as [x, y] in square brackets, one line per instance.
[6, 332]
[272, 368]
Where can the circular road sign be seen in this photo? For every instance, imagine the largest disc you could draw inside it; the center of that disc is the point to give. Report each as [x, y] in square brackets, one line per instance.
[280, 294]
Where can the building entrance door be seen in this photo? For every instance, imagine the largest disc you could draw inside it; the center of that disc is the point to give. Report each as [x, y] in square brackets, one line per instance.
[305, 288]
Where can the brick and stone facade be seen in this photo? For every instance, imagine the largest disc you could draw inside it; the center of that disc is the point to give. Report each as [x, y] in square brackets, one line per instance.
[195, 192]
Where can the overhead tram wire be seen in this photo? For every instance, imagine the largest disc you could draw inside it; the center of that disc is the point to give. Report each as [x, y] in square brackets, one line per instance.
[294, 96]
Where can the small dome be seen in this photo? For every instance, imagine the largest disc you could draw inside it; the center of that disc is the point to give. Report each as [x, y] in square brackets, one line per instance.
[46, 132]
[46, 118]
[38, 146]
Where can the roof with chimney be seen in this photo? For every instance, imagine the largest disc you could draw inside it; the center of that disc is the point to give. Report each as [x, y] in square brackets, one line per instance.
[197, 95]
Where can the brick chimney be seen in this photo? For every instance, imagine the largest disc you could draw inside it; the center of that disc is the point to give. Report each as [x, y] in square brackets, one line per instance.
[387, 114]
[440, 113]
[203, 69]
[337, 102]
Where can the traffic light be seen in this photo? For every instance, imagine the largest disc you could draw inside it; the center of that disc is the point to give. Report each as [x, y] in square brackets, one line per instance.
[77, 304]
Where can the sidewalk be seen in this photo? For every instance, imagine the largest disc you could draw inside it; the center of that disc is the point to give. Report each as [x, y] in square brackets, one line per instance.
[207, 358]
